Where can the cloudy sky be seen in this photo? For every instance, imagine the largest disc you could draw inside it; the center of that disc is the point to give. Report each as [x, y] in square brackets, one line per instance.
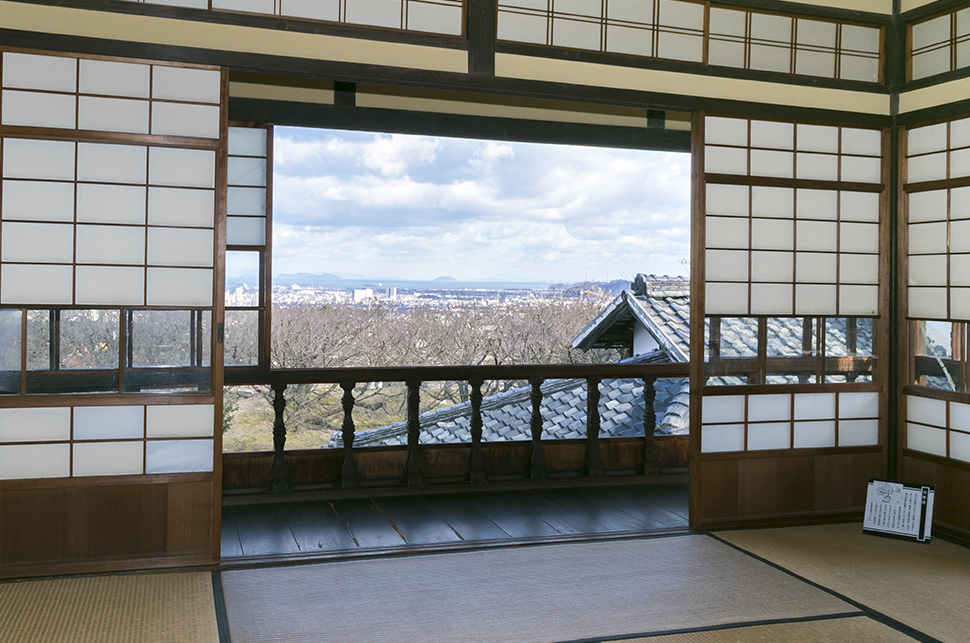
[413, 207]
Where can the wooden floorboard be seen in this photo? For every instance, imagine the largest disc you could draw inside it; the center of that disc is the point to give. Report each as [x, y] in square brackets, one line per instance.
[324, 527]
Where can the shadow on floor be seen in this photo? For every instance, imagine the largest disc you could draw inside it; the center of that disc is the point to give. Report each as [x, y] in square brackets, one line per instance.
[338, 528]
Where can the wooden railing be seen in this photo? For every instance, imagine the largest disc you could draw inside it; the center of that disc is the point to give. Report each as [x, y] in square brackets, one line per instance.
[476, 376]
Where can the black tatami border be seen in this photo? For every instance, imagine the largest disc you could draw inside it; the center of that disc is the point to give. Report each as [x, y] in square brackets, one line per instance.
[222, 620]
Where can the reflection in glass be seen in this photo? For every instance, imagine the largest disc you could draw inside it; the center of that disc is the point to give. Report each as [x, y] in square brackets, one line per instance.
[241, 337]
[10, 349]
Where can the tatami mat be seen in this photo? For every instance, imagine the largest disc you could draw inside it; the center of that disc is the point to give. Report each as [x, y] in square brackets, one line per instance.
[924, 586]
[843, 630]
[528, 594]
[142, 608]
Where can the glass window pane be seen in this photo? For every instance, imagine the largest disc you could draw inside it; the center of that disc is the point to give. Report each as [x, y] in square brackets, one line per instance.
[10, 345]
[242, 278]
[241, 337]
[89, 339]
[169, 338]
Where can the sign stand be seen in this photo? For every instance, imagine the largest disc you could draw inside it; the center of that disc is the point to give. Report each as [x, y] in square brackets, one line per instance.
[899, 510]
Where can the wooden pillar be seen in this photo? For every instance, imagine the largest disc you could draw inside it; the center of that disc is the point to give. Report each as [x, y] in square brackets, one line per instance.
[348, 472]
[651, 458]
[537, 467]
[594, 459]
[414, 432]
[280, 470]
[477, 462]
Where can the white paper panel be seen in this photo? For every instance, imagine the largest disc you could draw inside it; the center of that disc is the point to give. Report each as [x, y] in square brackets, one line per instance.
[959, 163]
[434, 18]
[625, 40]
[770, 58]
[724, 232]
[960, 416]
[927, 238]
[960, 236]
[860, 206]
[818, 138]
[181, 168]
[922, 140]
[38, 242]
[816, 267]
[38, 201]
[926, 439]
[521, 28]
[858, 300]
[770, 163]
[251, 6]
[960, 446]
[113, 115]
[769, 407]
[40, 284]
[35, 461]
[861, 169]
[725, 160]
[858, 405]
[931, 167]
[814, 406]
[195, 4]
[812, 299]
[174, 119]
[35, 424]
[771, 234]
[858, 433]
[931, 32]
[720, 199]
[245, 231]
[772, 202]
[110, 203]
[858, 68]
[178, 456]
[817, 204]
[960, 303]
[814, 435]
[771, 299]
[859, 269]
[723, 408]
[817, 235]
[927, 206]
[822, 167]
[725, 131]
[771, 266]
[111, 163]
[632, 10]
[191, 85]
[30, 159]
[959, 133]
[31, 109]
[774, 435]
[927, 270]
[179, 287]
[179, 247]
[313, 9]
[108, 458]
[815, 63]
[29, 71]
[926, 410]
[927, 303]
[859, 237]
[573, 33]
[180, 421]
[861, 141]
[110, 244]
[252, 202]
[109, 422]
[721, 438]
[959, 203]
[814, 32]
[677, 46]
[247, 171]
[379, 13]
[114, 78]
[726, 299]
[181, 207]
[779, 136]
[110, 286]
[727, 265]
[247, 141]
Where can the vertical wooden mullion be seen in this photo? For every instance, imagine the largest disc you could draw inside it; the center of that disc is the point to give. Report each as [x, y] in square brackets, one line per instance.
[266, 274]
[949, 314]
[762, 376]
[838, 54]
[697, 295]
[706, 35]
[791, 46]
[820, 330]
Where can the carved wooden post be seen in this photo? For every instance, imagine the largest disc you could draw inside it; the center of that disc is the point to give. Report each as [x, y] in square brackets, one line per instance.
[414, 432]
[594, 459]
[477, 463]
[348, 472]
[537, 468]
[280, 470]
[650, 454]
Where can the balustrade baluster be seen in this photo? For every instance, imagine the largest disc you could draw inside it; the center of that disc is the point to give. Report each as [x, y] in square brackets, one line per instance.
[650, 454]
[280, 470]
[477, 462]
[414, 432]
[594, 459]
[537, 468]
[348, 472]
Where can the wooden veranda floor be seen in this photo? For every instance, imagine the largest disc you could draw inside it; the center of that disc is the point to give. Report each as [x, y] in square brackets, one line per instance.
[321, 529]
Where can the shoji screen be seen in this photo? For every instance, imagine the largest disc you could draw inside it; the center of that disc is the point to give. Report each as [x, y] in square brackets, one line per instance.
[935, 240]
[790, 326]
[109, 254]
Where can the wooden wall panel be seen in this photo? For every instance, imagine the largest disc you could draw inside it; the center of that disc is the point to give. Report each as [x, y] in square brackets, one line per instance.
[446, 462]
[375, 466]
[951, 510]
[624, 455]
[568, 457]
